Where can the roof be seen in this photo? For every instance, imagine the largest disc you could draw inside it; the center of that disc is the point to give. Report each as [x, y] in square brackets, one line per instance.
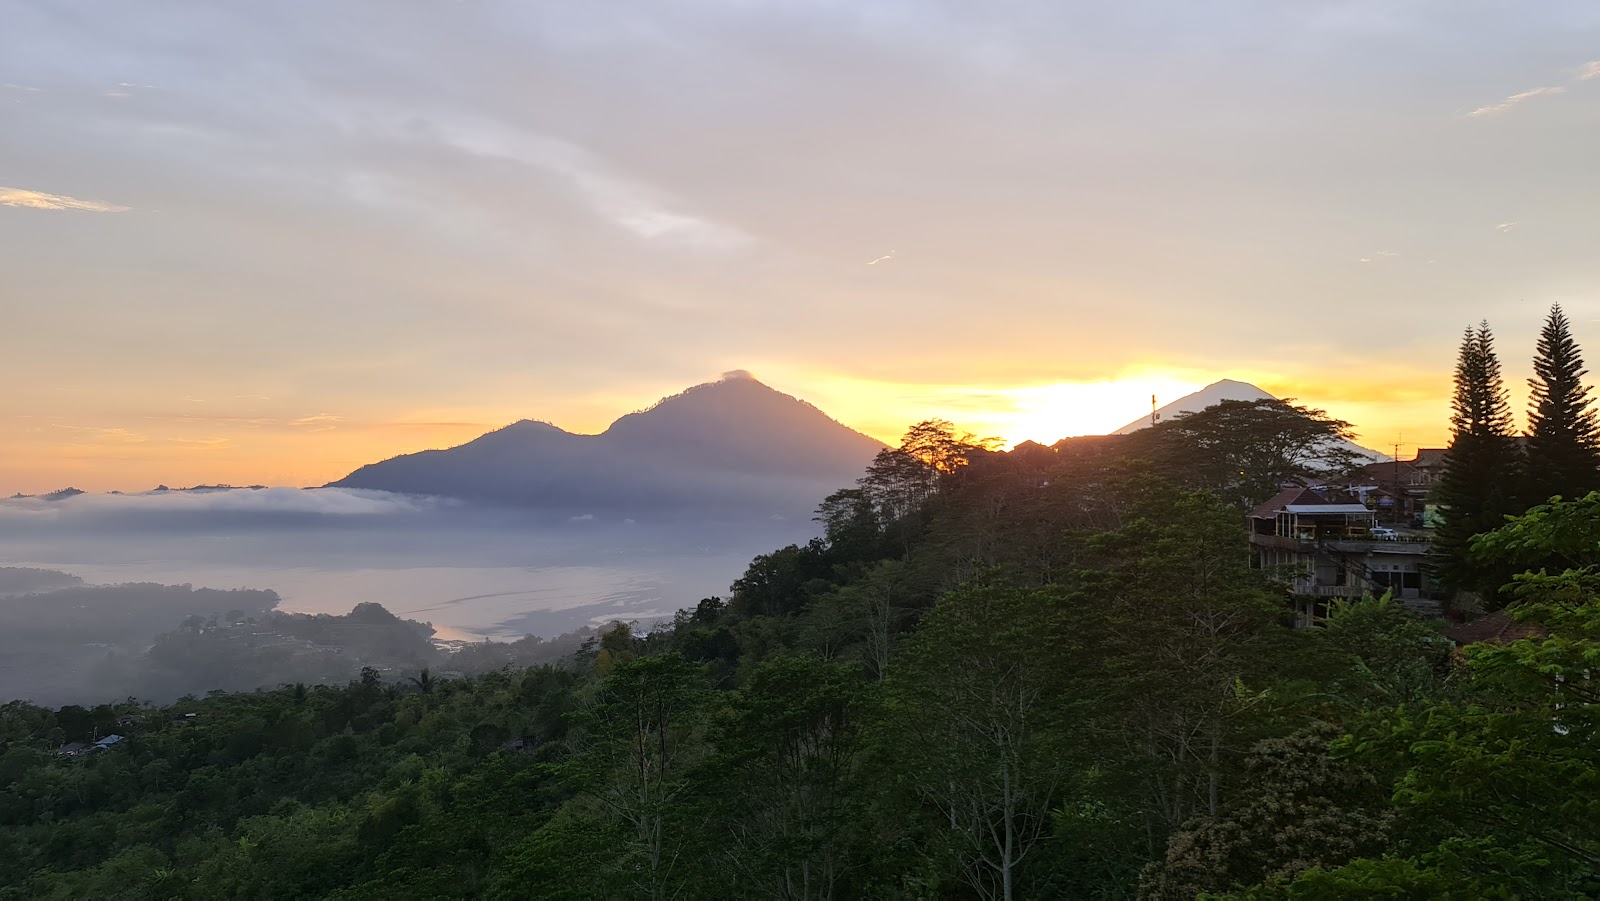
[1495, 628]
[1270, 508]
[108, 741]
[1388, 469]
[1348, 509]
[1429, 457]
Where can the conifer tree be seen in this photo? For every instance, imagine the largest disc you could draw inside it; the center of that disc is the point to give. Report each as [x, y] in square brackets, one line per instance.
[1563, 435]
[1478, 488]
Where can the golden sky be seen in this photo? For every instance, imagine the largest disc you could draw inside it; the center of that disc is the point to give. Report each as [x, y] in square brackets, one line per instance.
[268, 243]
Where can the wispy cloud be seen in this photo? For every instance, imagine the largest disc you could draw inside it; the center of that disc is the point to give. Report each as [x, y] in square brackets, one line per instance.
[321, 422]
[213, 443]
[38, 200]
[637, 208]
[1496, 109]
[1585, 72]
[1504, 227]
[106, 436]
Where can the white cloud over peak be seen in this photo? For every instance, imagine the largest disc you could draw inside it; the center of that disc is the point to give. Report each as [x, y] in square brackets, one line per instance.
[38, 200]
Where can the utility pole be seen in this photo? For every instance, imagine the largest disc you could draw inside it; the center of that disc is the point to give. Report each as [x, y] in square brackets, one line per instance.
[1399, 491]
[1154, 416]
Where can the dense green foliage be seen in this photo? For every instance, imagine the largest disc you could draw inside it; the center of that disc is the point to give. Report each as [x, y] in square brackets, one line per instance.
[1248, 449]
[1048, 673]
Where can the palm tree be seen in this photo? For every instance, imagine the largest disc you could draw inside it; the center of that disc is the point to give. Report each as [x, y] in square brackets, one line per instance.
[424, 681]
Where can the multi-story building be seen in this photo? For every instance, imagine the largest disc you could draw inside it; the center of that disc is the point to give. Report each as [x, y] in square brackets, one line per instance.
[1335, 550]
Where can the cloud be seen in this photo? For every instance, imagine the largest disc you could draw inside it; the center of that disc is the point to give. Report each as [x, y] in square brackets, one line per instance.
[107, 436]
[267, 502]
[1506, 104]
[636, 208]
[38, 200]
[202, 444]
[321, 422]
[1585, 72]
[1504, 227]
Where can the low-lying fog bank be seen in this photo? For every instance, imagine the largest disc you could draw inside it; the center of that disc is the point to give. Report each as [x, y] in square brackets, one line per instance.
[471, 573]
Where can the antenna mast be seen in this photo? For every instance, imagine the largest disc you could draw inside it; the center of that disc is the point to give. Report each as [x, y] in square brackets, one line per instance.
[1154, 416]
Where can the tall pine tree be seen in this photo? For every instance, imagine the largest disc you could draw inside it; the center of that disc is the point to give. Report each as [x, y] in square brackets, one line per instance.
[1482, 469]
[1563, 434]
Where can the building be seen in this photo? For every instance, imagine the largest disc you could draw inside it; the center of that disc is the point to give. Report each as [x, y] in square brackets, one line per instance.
[1494, 628]
[1329, 550]
[1397, 490]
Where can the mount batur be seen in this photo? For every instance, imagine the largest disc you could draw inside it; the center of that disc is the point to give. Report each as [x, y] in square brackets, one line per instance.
[733, 447]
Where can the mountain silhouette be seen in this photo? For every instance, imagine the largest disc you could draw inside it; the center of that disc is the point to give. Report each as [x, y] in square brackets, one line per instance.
[729, 447]
[1217, 392]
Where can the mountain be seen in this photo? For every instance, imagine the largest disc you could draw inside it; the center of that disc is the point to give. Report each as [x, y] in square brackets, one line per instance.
[1209, 396]
[1217, 392]
[733, 446]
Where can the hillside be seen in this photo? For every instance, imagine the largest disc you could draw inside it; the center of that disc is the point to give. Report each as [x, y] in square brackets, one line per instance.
[1003, 686]
[730, 447]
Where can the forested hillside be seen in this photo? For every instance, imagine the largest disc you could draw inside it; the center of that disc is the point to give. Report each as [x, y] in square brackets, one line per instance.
[1048, 673]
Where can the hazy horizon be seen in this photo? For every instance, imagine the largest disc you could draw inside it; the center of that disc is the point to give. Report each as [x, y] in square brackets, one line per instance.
[268, 244]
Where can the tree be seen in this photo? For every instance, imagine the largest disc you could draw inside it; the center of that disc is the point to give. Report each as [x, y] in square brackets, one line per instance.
[976, 720]
[1563, 433]
[1245, 450]
[1184, 637]
[784, 773]
[1302, 808]
[1497, 790]
[850, 525]
[424, 681]
[1391, 657]
[639, 742]
[931, 458]
[1477, 490]
[867, 615]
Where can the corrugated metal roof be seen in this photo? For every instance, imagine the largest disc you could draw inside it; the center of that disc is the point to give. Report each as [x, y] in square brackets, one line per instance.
[1327, 508]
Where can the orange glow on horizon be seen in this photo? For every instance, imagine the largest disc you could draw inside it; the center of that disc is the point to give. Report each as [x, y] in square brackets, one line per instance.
[137, 452]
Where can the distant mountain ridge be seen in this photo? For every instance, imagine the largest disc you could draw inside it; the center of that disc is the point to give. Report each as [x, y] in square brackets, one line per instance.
[1217, 392]
[733, 446]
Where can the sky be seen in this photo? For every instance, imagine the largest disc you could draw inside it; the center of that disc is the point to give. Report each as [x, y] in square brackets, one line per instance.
[270, 242]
